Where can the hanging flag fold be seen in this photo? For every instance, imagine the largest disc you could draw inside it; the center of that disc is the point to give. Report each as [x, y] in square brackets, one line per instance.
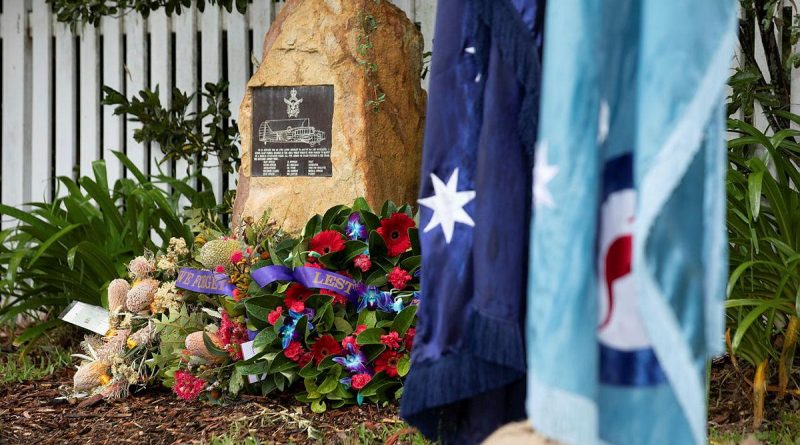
[628, 250]
[468, 372]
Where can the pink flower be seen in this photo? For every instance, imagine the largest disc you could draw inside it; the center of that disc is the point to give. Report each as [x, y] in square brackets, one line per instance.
[360, 380]
[237, 295]
[232, 335]
[236, 257]
[391, 340]
[220, 269]
[275, 315]
[399, 278]
[363, 262]
[187, 386]
[359, 329]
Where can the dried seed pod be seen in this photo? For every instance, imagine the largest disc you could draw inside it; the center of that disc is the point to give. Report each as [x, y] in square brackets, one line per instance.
[140, 297]
[218, 253]
[140, 268]
[197, 347]
[117, 293]
[90, 375]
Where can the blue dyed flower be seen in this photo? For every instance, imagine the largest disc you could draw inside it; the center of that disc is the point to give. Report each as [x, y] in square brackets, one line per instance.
[356, 230]
[354, 361]
[397, 305]
[370, 297]
[288, 332]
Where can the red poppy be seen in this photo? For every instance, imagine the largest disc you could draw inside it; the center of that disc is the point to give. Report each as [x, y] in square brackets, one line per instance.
[387, 362]
[325, 346]
[392, 340]
[294, 351]
[399, 278]
[326, 242]
[360, 380]
[394, 232]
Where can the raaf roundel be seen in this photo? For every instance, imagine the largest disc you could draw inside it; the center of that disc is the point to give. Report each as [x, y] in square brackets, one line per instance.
[626, 355]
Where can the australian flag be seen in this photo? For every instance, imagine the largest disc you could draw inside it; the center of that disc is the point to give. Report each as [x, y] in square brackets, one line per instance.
[468, 373]
[628, 247]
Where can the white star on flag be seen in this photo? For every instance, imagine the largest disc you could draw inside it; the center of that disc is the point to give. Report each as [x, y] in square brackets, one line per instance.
[448, 204]
[542, 175]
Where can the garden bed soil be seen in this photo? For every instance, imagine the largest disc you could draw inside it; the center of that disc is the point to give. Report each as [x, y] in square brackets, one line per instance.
[31, 412]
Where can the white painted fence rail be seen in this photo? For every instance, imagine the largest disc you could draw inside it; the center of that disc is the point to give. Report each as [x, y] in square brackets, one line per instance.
[51, 120]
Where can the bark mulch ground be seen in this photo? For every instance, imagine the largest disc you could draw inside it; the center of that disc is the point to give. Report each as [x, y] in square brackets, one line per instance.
[32, 413]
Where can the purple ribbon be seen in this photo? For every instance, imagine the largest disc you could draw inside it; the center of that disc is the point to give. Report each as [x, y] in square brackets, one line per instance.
[205, 282]
[310, 277]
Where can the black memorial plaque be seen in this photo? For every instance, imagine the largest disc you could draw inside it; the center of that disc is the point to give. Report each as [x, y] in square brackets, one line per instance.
[292, 131]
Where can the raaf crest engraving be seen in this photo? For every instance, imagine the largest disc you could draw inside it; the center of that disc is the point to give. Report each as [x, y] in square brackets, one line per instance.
[291, 131]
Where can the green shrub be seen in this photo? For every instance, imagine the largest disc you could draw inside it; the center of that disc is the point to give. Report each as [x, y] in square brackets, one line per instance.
[71, 248]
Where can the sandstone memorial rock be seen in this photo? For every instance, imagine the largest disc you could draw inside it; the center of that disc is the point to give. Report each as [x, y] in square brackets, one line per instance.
[335, 111]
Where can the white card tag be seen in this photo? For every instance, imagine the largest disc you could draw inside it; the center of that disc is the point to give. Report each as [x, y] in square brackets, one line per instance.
[247, 353]
[93, 318]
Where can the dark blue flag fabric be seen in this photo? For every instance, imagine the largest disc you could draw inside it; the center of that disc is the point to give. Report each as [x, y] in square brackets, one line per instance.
[469, 361]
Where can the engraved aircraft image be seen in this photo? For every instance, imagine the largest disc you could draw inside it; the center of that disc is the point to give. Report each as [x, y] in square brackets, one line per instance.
[290, 131]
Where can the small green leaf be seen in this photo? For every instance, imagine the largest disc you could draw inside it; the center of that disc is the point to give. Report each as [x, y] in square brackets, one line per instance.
[370, 337]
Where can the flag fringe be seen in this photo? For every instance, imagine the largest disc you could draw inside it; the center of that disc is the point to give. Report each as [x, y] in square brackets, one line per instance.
[492, 356]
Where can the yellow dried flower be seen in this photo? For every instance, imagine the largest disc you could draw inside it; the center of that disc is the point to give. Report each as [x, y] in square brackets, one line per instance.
[104, 379]
[130, 343]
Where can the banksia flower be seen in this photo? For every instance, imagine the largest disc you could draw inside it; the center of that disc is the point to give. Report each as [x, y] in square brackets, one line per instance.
[91, 375]
[142, 336]
[140, 268]
[218, 252]
[140, 297]
[197, 347]
[114, 345]
[117, 293]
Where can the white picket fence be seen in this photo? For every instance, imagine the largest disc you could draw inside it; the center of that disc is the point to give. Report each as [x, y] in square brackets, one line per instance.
[51, 120]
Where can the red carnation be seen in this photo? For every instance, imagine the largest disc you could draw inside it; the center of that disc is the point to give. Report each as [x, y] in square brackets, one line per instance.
[305, 359]
[296, 296]
[325, 346]
[360, 380]
[349, 340]
[387, 362]
[275, 315]
[408, 341]
[363, 262]
[394, 232]
[313, 265]
[326, 242]
[391, 340]
[359, 329]
[399, 278]
[294, 351]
